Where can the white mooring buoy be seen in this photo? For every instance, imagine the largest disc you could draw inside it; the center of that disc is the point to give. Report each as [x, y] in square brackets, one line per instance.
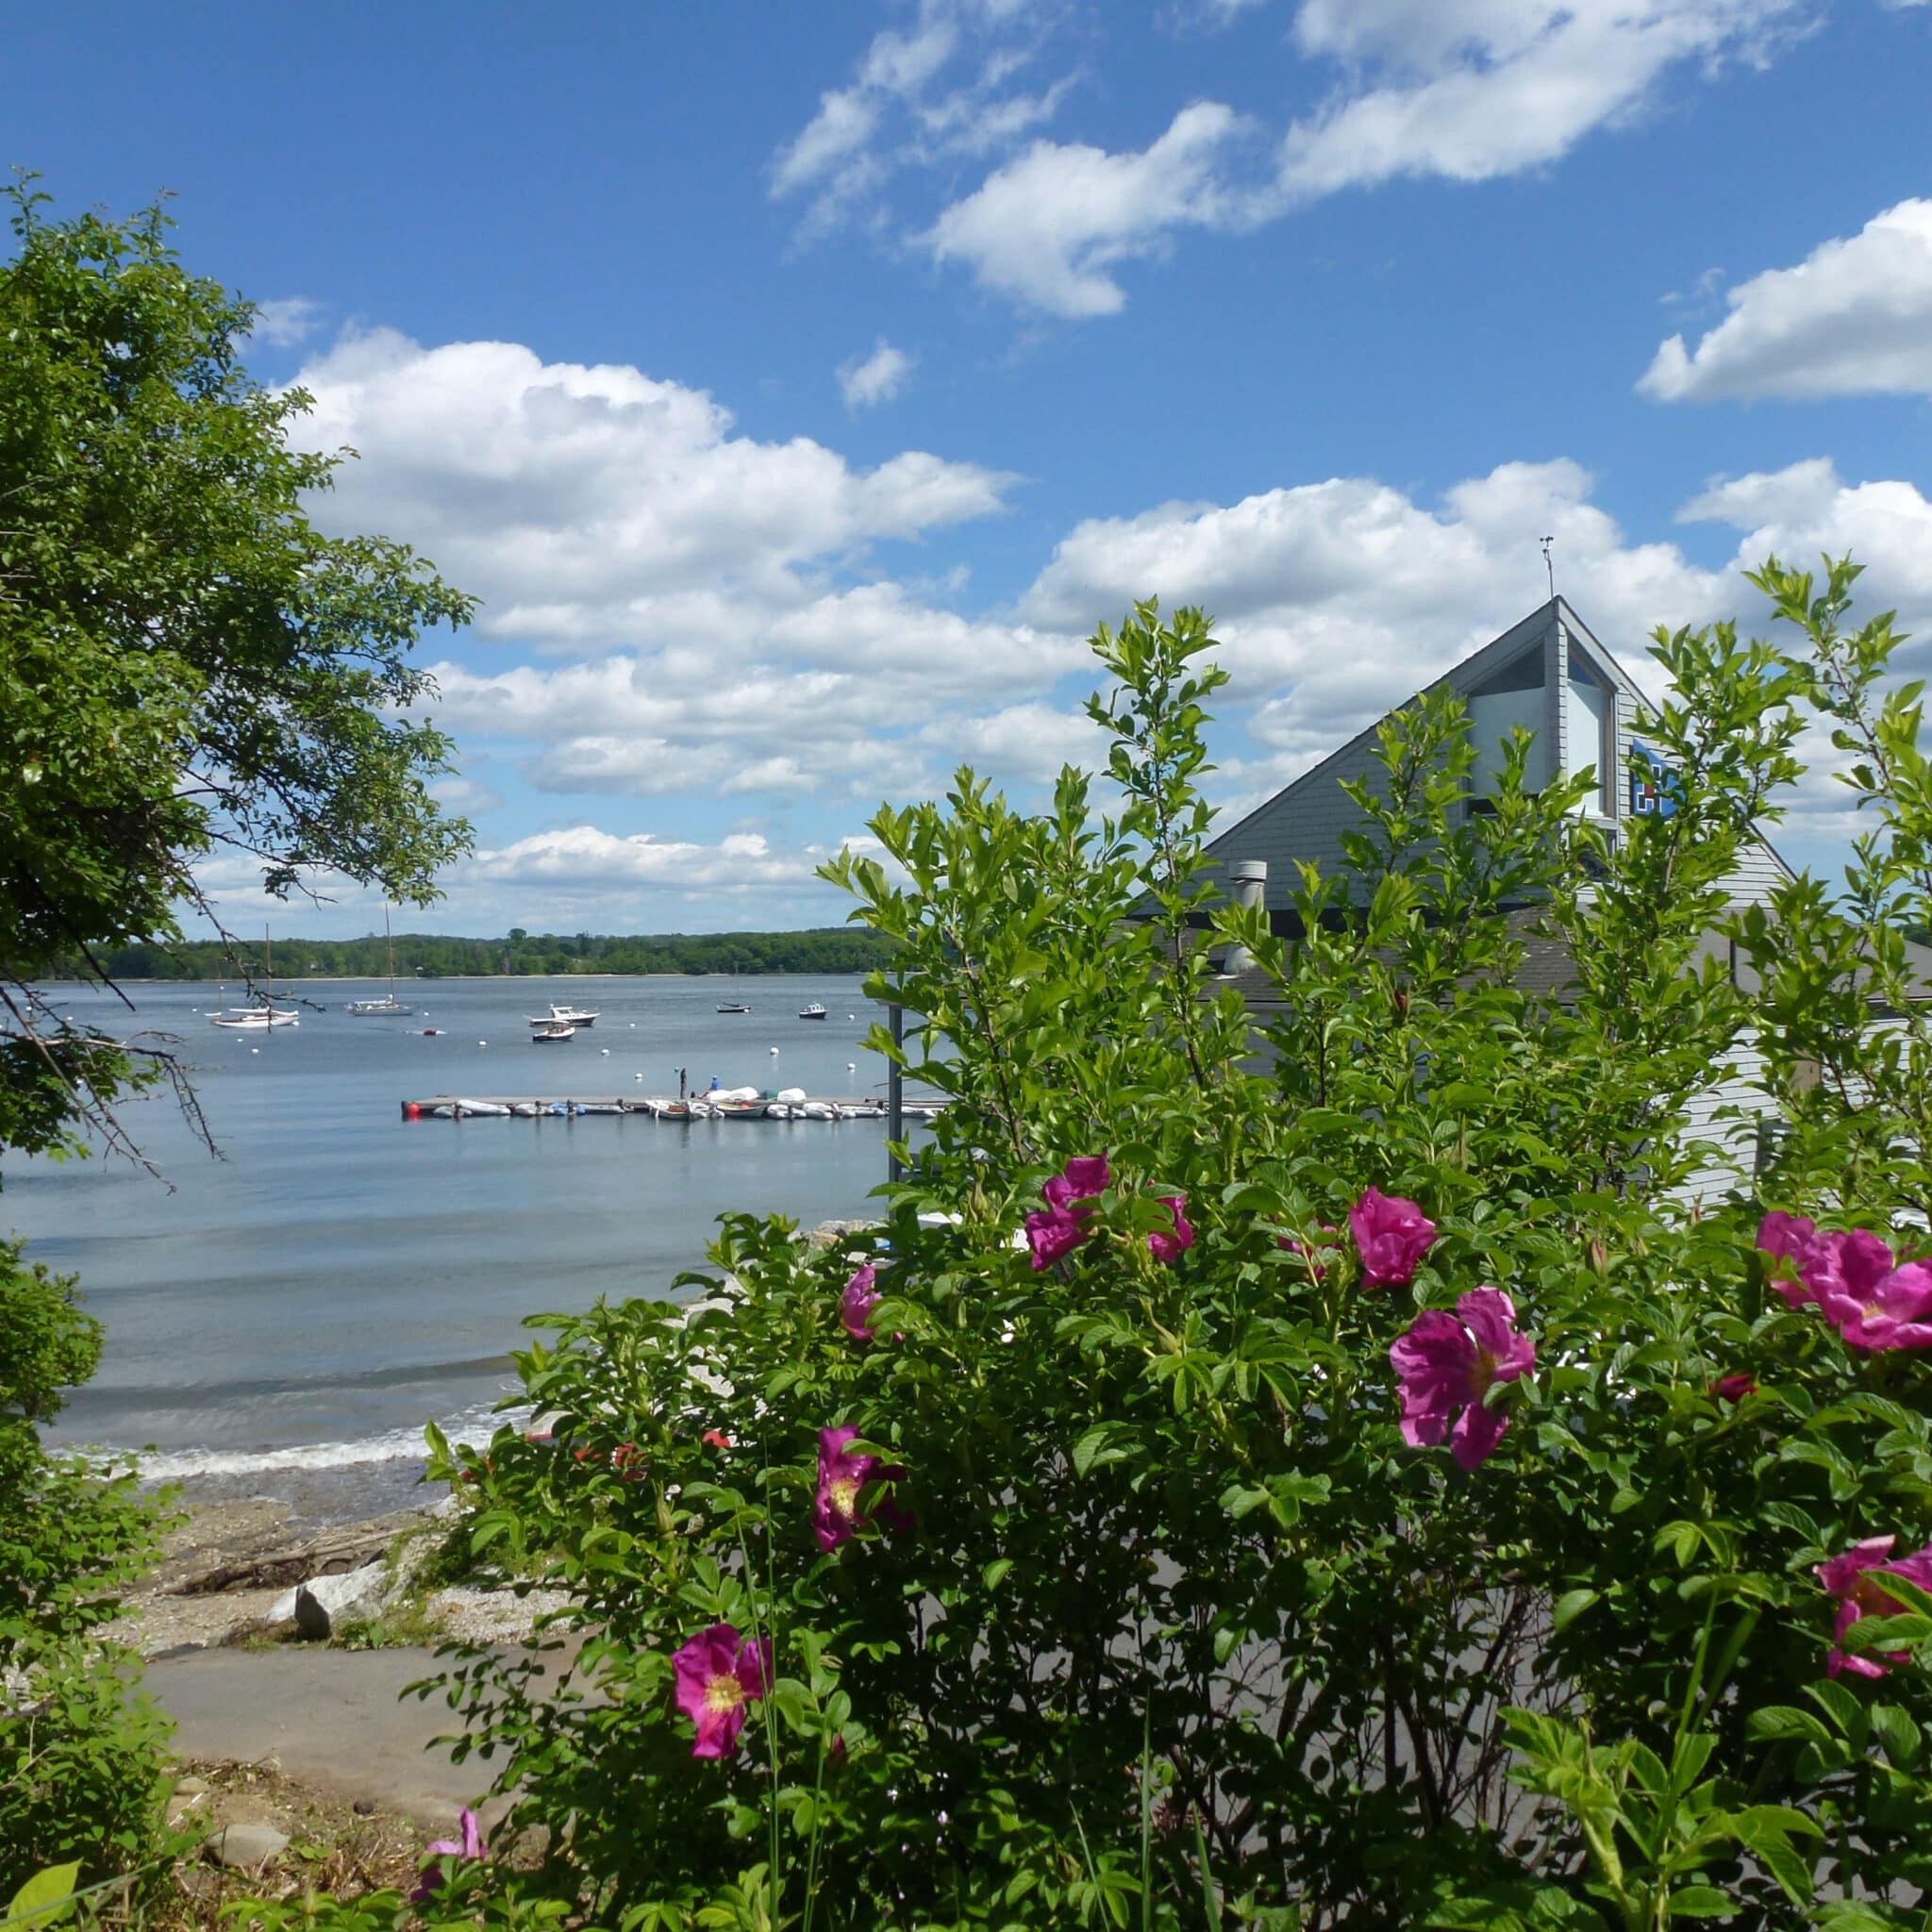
[774, 1049]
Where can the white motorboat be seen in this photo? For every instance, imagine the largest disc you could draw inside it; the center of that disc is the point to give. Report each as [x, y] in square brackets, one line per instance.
[550, 1032]
[814, 1012]
[572, 1016]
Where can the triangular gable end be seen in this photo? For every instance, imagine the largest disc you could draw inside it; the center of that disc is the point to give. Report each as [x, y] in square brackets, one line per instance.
[1548, 673]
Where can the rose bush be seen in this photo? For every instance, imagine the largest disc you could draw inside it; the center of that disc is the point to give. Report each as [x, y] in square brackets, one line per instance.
[1342, 1483]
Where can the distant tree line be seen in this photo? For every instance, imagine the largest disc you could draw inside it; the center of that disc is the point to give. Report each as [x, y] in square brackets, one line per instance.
[519, 954]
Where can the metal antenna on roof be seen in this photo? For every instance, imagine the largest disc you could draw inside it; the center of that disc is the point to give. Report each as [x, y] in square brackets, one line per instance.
[1549, 566]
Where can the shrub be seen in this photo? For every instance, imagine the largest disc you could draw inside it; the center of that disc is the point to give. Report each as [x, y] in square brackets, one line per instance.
[81, 1757]
[1342, 1485]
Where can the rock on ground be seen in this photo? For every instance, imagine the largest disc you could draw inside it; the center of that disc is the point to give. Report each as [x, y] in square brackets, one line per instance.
[248, 1847]
[319, 1605]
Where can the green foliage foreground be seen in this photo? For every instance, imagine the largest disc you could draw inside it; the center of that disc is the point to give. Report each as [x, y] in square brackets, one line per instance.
[1068, 1571]
[188, 667]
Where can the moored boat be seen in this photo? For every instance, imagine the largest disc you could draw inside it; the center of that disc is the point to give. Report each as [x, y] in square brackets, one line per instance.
[550, 1032]
[814, 1012]
[389, 1005]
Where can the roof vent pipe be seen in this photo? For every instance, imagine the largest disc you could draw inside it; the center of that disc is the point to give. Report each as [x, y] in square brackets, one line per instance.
[1247, 887]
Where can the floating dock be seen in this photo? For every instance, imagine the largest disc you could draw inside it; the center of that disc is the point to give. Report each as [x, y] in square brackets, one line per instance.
[698, 1107]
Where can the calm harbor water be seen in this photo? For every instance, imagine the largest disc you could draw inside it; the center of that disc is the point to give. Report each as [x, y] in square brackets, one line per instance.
[288, 1316]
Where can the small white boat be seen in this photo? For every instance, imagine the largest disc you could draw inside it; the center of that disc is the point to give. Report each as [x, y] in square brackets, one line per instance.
[370, 1010]
[255, 1019]
[814, 1012]
[573, 1016]
[733, 1006]
[550, 1032]
[464, 1109]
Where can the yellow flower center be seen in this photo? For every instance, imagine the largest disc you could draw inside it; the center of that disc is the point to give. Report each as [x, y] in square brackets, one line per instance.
[845, 1495]
[724, 1692]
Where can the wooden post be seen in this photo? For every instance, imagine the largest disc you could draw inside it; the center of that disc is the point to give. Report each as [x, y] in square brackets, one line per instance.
[895, 1098]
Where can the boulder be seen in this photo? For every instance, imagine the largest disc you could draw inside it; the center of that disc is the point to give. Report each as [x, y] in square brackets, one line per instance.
[248, 1847]
[318, 1605]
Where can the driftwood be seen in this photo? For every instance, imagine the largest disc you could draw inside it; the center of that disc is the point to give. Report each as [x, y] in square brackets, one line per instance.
[328, 1555]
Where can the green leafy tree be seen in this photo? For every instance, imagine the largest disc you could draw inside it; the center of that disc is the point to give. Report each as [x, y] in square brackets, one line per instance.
[187, 667]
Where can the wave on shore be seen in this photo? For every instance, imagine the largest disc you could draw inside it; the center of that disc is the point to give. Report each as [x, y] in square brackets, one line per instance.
[474, 1429]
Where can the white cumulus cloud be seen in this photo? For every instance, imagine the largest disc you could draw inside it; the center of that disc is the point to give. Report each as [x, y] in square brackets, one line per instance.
[596, 504]
[1456, 89]
[1807, 511]
[1338, 599]
[1049, 227]
[874, 378]
[1472, 90]
[292, 318]
[1854, 318]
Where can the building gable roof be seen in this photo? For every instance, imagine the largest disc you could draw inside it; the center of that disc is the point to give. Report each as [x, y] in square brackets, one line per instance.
[1463, 677]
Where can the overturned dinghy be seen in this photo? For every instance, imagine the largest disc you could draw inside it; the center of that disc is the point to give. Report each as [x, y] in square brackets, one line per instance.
[486, 1108]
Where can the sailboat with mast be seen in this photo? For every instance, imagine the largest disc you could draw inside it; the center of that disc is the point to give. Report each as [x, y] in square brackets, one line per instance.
[377, 1008]
[264, 1014]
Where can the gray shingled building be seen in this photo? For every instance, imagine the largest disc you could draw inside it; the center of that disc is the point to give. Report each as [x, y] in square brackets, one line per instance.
[1550, 675]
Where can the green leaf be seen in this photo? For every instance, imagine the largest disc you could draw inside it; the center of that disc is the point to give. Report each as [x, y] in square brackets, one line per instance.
[1778, 1722]
[46, 1898]
[1898, 1732]
[1104, 1443]
[995, 1572]
[1702, 1902]
[1570, 1605]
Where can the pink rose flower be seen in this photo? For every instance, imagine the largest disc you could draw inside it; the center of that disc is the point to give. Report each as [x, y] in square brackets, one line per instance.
[858, 1302]
[844, 1473]
[1054, 1232]
[469, 1847]
[1852, 1579]
[1447, 1365]
[720, 1675]
[1171, 1247]
[1391, 1235]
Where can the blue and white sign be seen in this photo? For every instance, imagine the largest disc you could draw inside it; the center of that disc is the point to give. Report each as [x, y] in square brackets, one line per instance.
[1653, 794]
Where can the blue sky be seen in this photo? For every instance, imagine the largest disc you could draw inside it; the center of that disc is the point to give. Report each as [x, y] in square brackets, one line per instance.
[798, 386]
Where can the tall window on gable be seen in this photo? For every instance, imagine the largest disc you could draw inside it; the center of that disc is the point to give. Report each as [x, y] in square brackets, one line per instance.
[1509, 696]
[1590, 709]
